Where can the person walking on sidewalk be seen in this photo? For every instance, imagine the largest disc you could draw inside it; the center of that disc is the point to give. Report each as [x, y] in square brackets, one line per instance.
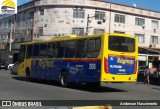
[146, 75]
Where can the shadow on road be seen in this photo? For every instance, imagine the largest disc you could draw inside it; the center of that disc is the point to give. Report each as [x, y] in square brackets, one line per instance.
[156, 88]
[19, 78]
[99, 89]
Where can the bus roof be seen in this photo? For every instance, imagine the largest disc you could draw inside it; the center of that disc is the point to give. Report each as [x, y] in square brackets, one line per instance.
[63, 38]
[73, 36]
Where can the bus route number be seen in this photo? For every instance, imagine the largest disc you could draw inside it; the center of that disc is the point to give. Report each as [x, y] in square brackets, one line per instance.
[92, 66]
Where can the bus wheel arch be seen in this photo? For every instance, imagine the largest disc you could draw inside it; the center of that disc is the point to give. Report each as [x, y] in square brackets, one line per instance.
[27, 72]
[63, 78]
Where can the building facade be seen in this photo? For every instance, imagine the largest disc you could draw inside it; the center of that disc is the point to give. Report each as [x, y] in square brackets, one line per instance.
[45, 19]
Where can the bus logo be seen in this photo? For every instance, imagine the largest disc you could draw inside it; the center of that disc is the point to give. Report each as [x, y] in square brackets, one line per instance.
[8, 6]
[111, 58]
[125, 61]
[6, 103]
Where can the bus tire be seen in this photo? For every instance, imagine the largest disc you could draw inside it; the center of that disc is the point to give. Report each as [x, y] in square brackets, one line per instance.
[27, 74]
[64, 79]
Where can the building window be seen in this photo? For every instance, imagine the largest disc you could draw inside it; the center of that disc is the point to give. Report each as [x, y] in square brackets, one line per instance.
[31, 15]
[78, 31]
[41, 11]
[155, 24]
[140, 38]
[98, 31]
[29, 31]
[9, 23]
[12, 21]
[139, 21]
[154, 39]
[18, 20]
[78, 13]
[4, 37]
[24, 17]
[40, 31]
[119, 18]
[99, 15]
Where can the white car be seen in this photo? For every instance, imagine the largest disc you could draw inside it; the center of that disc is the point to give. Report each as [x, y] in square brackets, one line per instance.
[14, 69]
[10, 65]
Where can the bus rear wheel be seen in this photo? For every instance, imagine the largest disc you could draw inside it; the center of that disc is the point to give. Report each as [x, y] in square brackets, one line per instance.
[64, 79]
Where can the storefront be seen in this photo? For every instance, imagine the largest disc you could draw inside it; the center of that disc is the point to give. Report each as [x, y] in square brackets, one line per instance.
[149, 56]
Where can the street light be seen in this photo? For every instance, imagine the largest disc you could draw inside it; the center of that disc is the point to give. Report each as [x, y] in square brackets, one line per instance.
[89, 21]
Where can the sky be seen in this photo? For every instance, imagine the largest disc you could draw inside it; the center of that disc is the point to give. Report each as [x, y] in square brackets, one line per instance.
[20, 2]
[146, 4]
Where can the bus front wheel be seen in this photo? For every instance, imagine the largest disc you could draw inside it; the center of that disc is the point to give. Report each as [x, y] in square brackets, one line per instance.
[64, 79]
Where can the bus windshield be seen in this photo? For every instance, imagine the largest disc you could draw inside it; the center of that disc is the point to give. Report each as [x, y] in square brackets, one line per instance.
[121, 44]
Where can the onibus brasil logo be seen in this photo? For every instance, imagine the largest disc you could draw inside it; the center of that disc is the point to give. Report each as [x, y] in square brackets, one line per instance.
[8, 6]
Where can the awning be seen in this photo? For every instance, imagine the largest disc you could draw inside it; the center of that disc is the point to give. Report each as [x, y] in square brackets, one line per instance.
[148, 50]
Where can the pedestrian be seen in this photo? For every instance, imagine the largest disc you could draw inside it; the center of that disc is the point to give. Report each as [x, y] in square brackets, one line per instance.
[157, 74]
[146, 75]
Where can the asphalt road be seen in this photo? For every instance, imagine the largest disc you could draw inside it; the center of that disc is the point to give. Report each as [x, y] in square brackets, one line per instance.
[13, 87]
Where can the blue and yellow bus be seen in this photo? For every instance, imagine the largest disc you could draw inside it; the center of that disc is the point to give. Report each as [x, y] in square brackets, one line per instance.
[89, 59]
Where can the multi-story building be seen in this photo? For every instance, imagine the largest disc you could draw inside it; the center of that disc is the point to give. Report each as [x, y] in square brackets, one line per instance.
[45, 19]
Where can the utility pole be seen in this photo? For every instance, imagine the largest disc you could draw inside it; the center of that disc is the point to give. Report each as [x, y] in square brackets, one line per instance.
[87, 24]
[10, 39]
[89, 20]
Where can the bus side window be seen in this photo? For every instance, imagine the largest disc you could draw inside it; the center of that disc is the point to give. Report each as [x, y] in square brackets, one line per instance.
[70, 49]
[81, 49]
[43, 50]
[94, 46]
[51, 50]
[59, 49]
[29, 51]
[36, 51]
[21, 55]
[98, 45]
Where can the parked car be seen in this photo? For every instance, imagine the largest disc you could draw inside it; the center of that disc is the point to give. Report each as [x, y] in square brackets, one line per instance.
[3, 65]
[10, 65]
[154, 74]
[14, 69]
